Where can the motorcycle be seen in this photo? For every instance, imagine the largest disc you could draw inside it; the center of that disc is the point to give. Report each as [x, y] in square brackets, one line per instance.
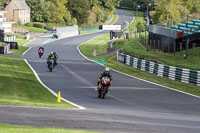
[40, 52]
[51, 64]
[105, 83]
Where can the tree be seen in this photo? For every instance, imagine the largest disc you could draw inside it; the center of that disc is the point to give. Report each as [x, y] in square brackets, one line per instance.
[79, 9]
[133, 3]
[166, 11]
[192, 5]
[39, 10]
[140, 27]
[3, 2]
[53, 11]
[58, 10]
[94, 3]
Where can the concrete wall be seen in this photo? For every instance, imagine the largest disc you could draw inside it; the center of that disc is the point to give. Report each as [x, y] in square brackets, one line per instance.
[68, 31]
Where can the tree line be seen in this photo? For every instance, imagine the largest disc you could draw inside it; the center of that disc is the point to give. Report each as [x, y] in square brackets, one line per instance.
[165, 10]
[69, 12]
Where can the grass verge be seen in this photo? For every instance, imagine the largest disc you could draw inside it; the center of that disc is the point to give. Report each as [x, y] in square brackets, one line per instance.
[192, 62]
[114, 18]
[22, 48]
[28, 129]
[95, 47]
[19, 86]
[31, 29]
[87, 32]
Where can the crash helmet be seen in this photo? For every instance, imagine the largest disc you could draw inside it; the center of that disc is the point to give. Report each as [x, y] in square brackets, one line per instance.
[107, 69]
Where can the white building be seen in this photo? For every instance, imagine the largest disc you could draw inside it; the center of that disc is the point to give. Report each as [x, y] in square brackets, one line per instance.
[6, 26]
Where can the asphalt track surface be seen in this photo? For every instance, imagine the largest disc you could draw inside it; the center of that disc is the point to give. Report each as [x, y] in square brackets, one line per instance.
[133, 105]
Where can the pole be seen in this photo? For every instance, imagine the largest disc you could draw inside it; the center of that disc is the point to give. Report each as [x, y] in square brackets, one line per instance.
[129, 24]
[146, 28]
[136, 25]
[187, 43]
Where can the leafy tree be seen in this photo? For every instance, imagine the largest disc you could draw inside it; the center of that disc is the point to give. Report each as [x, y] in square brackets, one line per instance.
[94, 3]
[79, 9]
[166, 10]
[142, 3]
[140, 27]
[39, 10]
[192, 5]
[3, 2]
[53, 11]
[58, 10]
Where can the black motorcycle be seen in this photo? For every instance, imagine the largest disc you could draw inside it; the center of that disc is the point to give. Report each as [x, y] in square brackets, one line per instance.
[105, 83]
[51, 64]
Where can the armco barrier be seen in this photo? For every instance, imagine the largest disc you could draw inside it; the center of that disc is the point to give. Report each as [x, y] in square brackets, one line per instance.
[10, 38]
[173, 73]
[5, 49]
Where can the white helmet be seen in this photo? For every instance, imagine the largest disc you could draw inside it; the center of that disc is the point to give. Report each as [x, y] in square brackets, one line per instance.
[107, 69]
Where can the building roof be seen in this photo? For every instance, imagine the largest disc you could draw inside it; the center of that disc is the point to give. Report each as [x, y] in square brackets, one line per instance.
[21, 4]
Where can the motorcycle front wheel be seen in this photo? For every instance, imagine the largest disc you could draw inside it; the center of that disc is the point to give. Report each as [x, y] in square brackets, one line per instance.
[50, 66]
[103, 92]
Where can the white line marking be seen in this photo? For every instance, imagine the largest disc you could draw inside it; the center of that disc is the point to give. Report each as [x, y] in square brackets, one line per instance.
[29, 42]
[116, 19]
[55, 94]
[26, 50]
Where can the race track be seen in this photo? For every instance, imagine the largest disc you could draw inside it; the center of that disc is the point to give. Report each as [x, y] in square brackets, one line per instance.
[133, 105]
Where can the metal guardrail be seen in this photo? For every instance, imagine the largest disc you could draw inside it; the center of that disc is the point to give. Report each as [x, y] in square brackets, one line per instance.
[11, 38]
[173, 73]
[4, 49]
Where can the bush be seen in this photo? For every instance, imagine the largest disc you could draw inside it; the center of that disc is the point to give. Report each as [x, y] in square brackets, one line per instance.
[50, 25]
[2, 44]
[30, 24]
[39, 25]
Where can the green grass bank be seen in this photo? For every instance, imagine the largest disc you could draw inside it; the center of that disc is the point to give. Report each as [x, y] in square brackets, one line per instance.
[22, 48]
[19, 86]
[31, 29]
[28, 129]
[95, 47]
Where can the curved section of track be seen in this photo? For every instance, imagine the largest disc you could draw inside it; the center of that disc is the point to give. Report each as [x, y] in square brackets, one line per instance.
[132, 106]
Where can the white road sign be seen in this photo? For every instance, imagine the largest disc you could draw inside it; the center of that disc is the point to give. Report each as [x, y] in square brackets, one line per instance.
[111, 27]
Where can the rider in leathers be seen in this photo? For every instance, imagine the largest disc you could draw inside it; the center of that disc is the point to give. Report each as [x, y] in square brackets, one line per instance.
[106, 73]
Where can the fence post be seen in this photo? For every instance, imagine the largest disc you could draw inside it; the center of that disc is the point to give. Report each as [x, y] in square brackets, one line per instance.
[174, 48]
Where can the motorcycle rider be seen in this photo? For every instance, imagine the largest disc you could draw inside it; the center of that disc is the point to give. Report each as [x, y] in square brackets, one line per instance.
[56, 57]
[53, 56]
[41, 48]
[106, 73]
